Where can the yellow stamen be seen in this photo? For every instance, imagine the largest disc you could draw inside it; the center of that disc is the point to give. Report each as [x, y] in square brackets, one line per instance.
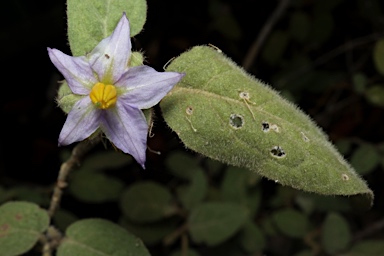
[103, 96]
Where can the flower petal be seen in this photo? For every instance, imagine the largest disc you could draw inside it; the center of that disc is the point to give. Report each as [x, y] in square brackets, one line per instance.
[127, 129]
[76, 71]
[110, 57]
[145, 86]
[82, 121]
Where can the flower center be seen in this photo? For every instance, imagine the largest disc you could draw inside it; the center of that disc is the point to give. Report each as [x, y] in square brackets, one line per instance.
[103, 96]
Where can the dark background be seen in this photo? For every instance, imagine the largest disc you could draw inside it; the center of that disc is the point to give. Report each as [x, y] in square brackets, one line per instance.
[31, 121]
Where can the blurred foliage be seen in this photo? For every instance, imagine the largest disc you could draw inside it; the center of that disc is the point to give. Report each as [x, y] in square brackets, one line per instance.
[325, 55]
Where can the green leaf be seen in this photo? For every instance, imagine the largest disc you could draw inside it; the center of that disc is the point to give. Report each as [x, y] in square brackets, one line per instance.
[94, 187]
[63, 218]
[151, 233]
[252, 238]
[182, 165]
[291, 222]
[90, 21]
[378, 55]
[194, 193]
[375, 94]
[147, 202]
[190, 252]
[21, 225]
[336, 234]
[221, 112]
[214, 222]
[90, 237]
[105, 160]
[359, 82]
[365, 158]
[367, 248]
[234, 185]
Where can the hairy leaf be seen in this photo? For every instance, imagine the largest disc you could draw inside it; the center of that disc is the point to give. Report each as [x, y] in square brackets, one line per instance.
[220, 111]
[90, 21]
[21, 225]
[90, 237]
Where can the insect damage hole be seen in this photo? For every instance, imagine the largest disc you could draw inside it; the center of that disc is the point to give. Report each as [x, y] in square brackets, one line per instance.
[236, 121]
[345, 177]
[265, 126]
[278, 152]
[189, 110]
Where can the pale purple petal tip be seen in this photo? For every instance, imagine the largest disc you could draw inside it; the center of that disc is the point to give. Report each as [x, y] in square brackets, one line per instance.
[146, 87]
[127, 129]
[76, 71]
[112, 53]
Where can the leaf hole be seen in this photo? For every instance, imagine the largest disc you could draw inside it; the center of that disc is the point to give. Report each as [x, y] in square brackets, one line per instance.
[244, 95]
[278, 152]
[106, 56]
[345, 177]
[236, 121]
[265, 126]
[189, 110]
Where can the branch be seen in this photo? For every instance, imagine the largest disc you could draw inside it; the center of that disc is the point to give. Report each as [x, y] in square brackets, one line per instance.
[78, 153]
[254, 50]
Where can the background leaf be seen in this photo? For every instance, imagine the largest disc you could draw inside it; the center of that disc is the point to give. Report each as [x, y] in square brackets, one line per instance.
[214, 222]
[146, 202]
[90, 21]
[21, 225]
[291, 222]
[91, 237]
[335, 234]
[378, 55]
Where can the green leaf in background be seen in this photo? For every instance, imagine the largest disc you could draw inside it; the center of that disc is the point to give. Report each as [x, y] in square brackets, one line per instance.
[378, 55]
[213, 222]
[367, 248]
[151, 233]
[90, 237]
[190, 252]
[291, 222]
[90, 21]
[105, 160]
[252, 238]
[147, 201]
[63, 218]
[234, 185]
[182, 164]
[375, 94]
[336, 234]
[365, 158]
[193, 194]
[359, 82]
[221, 112]
[94, 187]
[21, 225]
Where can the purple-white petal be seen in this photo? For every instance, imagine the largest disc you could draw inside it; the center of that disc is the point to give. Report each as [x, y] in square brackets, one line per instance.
[110, 57]
[145, 86]
[76, 71]
[82, 121]
[127, 129]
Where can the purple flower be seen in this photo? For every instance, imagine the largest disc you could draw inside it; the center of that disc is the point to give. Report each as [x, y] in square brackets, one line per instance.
[113, 93]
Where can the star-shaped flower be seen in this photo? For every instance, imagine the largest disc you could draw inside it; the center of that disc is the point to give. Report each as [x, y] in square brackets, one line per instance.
[113, 94]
